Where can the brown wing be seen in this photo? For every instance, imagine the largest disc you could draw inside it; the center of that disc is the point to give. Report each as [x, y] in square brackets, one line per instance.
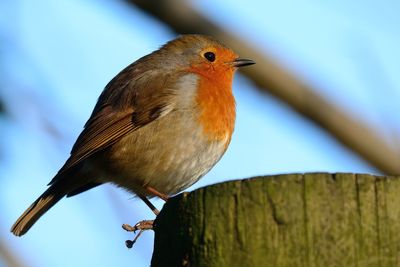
[128, 102]
[98, 136]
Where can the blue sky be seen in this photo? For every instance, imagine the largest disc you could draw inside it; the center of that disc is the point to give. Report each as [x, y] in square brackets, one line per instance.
[56, 56]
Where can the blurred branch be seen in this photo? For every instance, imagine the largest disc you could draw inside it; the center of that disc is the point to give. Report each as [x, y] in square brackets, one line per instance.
[274, 79]
[372, 71]
[8, 257]
[2, 109]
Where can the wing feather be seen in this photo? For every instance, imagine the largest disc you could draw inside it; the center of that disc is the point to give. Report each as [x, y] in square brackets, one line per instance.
[123, 107]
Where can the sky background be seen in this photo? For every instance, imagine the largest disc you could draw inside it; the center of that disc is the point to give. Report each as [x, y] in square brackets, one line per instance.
[57, 56]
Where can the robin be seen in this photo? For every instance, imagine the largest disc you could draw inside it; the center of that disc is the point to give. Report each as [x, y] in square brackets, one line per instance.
[158, 126]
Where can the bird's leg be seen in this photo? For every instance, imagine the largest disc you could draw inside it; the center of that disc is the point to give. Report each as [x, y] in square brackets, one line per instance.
[145, 224]
[150, 205]
[153, 191]
[142, 225]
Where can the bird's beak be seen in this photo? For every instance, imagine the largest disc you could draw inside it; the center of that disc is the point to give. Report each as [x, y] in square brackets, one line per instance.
[241, 62]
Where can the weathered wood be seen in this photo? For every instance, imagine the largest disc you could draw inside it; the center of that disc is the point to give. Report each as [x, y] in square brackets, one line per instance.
[316, 219]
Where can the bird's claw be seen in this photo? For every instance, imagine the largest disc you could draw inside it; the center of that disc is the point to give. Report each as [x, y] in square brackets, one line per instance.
[141, 227]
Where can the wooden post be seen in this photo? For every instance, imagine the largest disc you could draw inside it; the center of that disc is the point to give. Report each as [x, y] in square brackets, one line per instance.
[316, 219]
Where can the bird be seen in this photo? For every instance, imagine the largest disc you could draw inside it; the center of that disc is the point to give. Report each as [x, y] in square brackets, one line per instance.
[158, 126]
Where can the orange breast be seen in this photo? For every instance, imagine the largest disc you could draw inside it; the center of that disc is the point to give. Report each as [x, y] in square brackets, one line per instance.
[216, 104]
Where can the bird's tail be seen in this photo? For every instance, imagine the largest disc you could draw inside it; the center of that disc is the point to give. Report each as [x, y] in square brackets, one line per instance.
[47, 200]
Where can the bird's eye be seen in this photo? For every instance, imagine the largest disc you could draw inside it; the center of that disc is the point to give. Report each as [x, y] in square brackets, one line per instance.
[210, 56]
